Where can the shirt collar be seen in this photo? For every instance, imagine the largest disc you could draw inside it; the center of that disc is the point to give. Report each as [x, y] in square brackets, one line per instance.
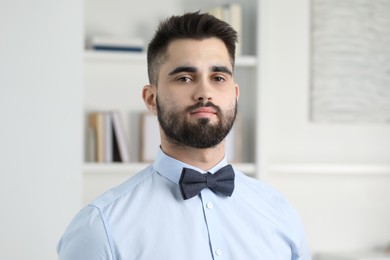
[172, 168]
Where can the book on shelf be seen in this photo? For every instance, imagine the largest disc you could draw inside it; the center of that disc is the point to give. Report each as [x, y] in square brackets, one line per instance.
[232, 14]
[96, 129]
[108, 43]
[121, 151]
[150, 137]
[108, 137]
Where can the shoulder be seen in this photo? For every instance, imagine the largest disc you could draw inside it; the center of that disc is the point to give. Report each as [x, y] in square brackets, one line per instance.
[257, 188]
[88, 235]
[264, 197]
[272, 207]
[85, 237]
[123, 190]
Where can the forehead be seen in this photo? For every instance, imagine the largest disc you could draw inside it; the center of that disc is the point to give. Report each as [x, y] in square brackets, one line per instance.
[208, 50]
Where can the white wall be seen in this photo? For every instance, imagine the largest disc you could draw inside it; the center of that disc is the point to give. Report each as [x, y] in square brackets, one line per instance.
[337, 176]
[41, 122]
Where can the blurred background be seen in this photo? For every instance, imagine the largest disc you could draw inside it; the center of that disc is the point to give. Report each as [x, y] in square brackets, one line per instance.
[314, 110]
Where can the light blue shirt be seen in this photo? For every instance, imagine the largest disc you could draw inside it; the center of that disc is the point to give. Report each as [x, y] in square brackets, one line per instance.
[146, 218]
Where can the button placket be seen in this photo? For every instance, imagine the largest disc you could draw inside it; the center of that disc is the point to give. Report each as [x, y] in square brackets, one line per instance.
[212, 222]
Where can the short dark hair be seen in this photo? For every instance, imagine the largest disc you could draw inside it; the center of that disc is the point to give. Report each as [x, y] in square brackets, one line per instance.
[188, 26]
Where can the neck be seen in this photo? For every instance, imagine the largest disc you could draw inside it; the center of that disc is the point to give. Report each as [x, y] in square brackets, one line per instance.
[201, 158]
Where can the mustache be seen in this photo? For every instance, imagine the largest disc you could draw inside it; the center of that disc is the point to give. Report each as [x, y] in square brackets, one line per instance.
[202, 104]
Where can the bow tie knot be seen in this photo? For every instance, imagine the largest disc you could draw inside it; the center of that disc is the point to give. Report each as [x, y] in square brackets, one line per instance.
[192, 182]
[210, 181]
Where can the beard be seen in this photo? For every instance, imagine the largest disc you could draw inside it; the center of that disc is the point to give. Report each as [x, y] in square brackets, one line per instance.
[202, 133]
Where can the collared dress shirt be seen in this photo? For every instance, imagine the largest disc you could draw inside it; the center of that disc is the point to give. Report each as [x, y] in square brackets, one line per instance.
[146, 218]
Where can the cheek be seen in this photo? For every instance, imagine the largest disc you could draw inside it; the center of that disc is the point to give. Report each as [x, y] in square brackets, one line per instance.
[175, 99]
[168, 103]
[227, 100]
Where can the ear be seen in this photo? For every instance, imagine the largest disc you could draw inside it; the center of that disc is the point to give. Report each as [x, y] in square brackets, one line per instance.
[149, 94]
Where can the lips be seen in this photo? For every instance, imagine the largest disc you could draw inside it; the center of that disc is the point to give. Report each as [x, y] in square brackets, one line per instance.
[204, 110]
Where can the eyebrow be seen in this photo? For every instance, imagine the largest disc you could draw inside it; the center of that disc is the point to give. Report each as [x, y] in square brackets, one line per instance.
[182, 69]
[222, 69]
[191, 69]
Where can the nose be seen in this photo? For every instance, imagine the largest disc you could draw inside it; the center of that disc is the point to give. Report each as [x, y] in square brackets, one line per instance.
[203, 91]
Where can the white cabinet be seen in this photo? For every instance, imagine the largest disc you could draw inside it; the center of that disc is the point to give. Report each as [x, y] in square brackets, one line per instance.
[114, 80]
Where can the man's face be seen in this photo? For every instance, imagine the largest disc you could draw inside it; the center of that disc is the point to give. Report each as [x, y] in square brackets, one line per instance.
[196, 94]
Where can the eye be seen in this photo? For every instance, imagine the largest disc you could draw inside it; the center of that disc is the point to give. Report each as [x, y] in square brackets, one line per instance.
[184, 79]
[219, 79]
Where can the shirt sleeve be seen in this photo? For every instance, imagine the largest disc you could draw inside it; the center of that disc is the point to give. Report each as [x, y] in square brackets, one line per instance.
[303, 250]
[294, 230]
[85, 238]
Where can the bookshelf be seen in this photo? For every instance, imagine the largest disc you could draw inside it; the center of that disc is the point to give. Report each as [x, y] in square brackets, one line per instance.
[114, 80]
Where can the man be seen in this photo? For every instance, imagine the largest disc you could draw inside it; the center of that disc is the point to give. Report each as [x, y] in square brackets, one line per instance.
[190, 204]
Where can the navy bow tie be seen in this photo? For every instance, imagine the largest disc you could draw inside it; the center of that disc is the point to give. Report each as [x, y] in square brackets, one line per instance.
[192, 182]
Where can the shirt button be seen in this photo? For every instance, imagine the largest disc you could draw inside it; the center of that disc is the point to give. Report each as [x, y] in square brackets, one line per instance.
[209, 205]
[218, 252]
